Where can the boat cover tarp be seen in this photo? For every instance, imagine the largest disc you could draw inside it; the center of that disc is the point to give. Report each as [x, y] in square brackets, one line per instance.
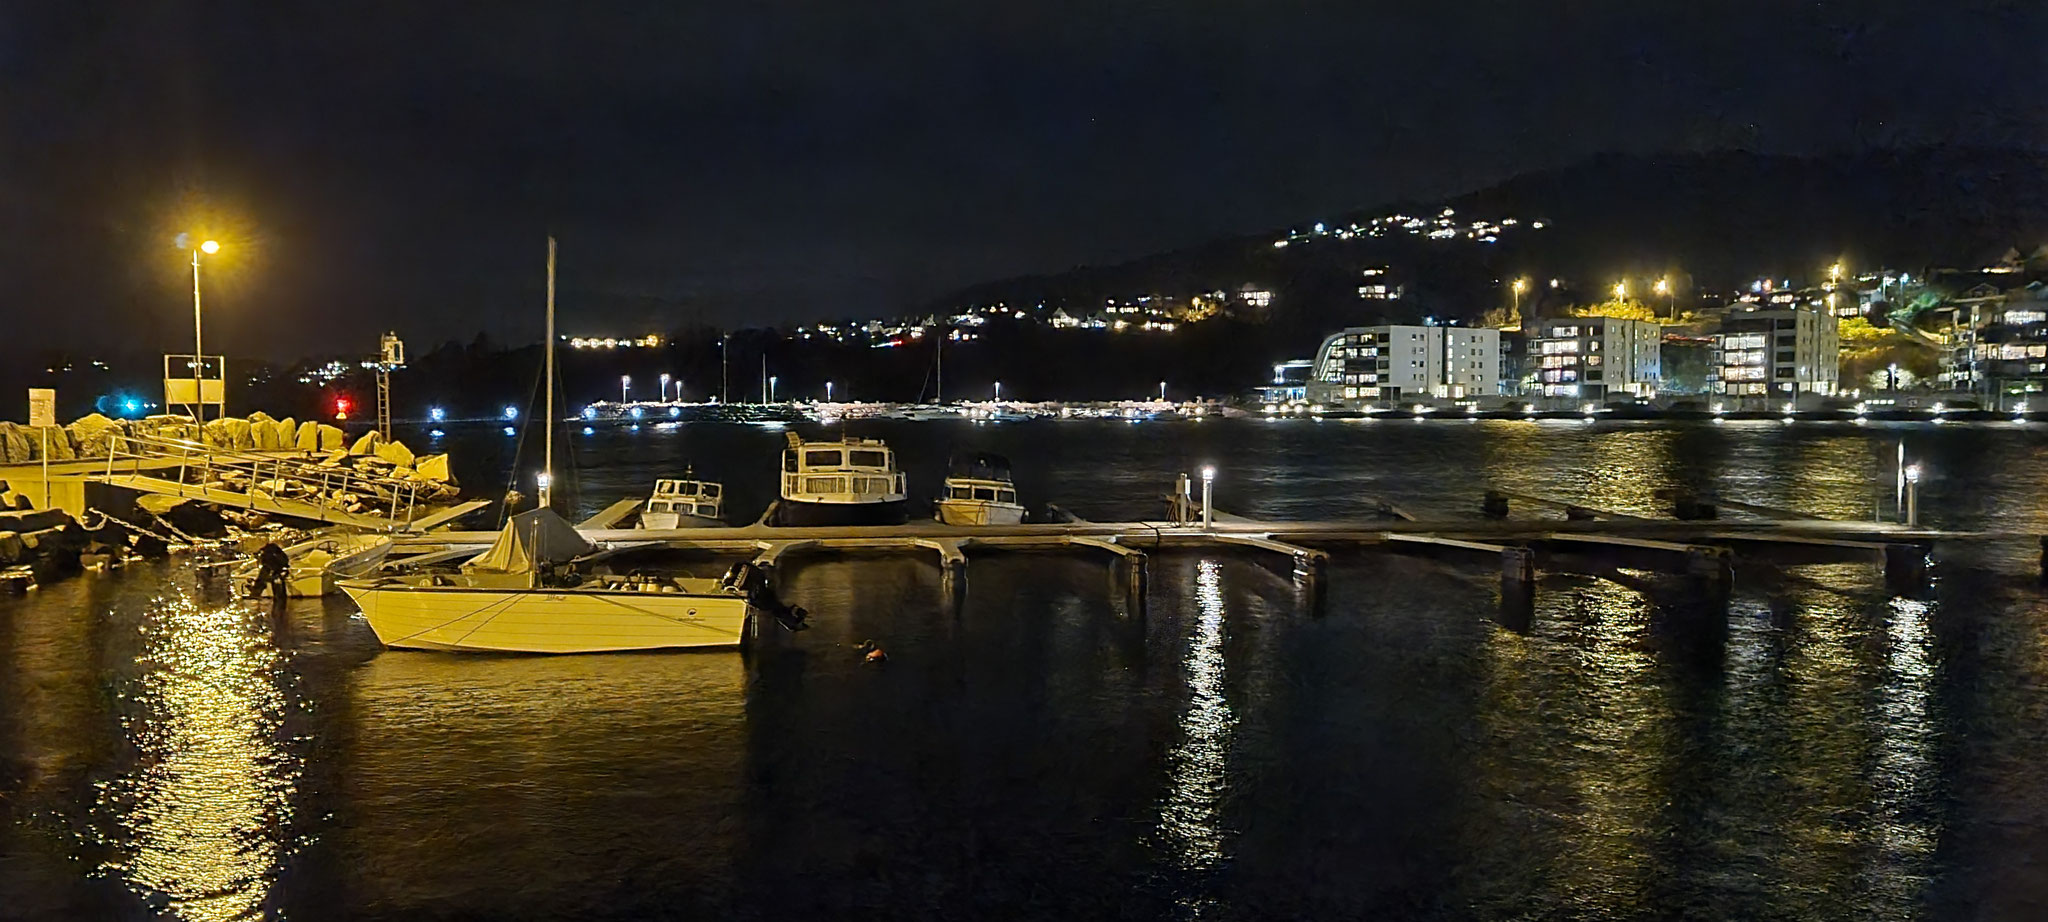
[981, 465]
[529, 540]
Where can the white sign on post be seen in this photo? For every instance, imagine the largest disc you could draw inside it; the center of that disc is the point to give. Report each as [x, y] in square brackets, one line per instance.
[42, 414]
[42, 407]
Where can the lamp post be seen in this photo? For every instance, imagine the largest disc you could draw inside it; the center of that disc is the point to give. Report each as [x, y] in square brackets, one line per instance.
[828, 392]
[1664, 288]
[1162, 392]
[999, 392]
[771, 387]
[625, 384]
[1208, 482]
[1912, 496]
[664, 388]
[1518, 287]
[1620, 290]
[209, 247]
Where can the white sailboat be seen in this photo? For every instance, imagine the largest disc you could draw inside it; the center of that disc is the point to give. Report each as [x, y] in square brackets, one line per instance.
[528, 592]
[526, 595]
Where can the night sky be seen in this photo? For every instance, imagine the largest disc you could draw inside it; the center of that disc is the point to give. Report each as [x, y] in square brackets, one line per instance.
[376, 165]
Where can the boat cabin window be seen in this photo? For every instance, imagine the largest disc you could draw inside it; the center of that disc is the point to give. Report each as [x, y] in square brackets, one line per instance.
[985, 494]
[960, 493]
[869, 458]
[789, 461]
[1006, 496]
[658, 506]
[816, 458]
[687, 488]
[711, 490]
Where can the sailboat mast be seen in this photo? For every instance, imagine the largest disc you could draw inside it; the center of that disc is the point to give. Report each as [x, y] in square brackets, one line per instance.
[939, 377]
[547, 475]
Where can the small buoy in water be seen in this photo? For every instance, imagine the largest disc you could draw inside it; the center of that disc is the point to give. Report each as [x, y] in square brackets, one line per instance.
[873, 653]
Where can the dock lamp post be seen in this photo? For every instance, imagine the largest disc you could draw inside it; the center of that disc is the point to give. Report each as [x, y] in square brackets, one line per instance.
[625, 383]
[1912, 496]
[1208, 485]
[664, 388]
[209, 247]
[828, 392]
[999, 392]
[1162, 392]
[771, 387]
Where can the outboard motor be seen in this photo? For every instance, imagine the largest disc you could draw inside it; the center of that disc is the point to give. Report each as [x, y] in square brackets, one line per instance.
[747, 580]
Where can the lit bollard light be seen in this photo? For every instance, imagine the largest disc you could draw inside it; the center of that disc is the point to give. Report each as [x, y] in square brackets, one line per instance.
[1208, 482]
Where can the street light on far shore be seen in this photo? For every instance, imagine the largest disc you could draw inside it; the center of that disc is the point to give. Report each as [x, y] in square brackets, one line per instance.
[1620, 291]
[625, 383]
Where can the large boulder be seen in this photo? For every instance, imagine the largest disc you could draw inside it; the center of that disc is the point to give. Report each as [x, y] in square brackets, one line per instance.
[56, 440]
[284, 433]
[396, 453]
[94, 434]
[367, 445]
[263, 432]
[308, 437]
[14, 447]
[332, 438]
[432, 467]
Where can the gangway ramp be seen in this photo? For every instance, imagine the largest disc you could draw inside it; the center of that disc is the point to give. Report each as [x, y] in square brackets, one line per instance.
[274, 484]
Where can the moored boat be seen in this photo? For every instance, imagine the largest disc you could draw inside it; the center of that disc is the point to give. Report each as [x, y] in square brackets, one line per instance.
[528, 594]
[850, 481]
[684, 502]
[979, 491]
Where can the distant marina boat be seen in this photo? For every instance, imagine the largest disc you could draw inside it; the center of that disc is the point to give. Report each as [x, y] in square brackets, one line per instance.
[979, 491]
[684, 502]
[851, 481]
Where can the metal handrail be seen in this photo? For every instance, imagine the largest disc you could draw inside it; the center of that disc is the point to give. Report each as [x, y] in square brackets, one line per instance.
[212, 465]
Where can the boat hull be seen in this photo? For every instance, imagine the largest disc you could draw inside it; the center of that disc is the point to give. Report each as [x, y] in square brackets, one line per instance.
[799, 513]
[978, 512]
[468, 619]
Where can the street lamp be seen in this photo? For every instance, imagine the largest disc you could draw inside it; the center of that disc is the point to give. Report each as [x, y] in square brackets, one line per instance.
[664, 388]
[828, 392]
[1891, 377]
[209, 247]
[1664, 288]
[1620, 290]
[771, 387]
[625, 383]
[1208, 482]
[999, 392]
[1518, 287]
[1162, 392]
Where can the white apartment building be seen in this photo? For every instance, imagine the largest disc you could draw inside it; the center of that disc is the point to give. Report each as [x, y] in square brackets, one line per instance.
[1597, 357]
[1776, 352]
[1366, 366]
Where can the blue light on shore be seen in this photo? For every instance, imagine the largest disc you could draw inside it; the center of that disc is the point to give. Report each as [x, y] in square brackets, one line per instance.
[511, 412]
[589, 412]
[436, 414]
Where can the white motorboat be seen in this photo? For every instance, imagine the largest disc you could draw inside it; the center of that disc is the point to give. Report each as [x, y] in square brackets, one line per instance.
[979, 491]
[851, 481]
[684, 502]
[527, 594]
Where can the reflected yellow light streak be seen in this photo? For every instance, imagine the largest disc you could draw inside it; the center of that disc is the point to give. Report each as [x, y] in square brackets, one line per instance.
[203, 814]
[1190, 820]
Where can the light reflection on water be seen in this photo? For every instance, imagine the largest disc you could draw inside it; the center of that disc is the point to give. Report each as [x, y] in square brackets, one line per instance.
[1198, 765]
[199, 823]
